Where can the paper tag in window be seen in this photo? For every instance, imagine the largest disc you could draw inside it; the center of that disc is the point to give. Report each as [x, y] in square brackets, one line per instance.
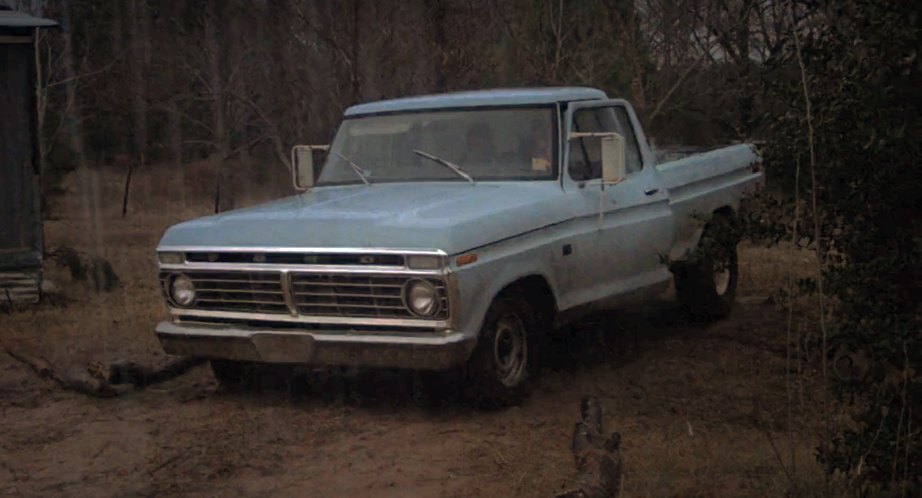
[540, 164]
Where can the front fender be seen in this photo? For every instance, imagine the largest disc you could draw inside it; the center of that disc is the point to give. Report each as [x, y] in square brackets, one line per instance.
[497, 267]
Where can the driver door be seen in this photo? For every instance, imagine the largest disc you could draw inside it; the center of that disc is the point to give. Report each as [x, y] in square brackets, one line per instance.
[620, 230]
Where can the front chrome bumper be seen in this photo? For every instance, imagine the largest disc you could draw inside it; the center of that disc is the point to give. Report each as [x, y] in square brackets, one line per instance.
[416, 350]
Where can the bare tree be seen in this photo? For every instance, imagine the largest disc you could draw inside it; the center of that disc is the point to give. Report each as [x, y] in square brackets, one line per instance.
[138, 62]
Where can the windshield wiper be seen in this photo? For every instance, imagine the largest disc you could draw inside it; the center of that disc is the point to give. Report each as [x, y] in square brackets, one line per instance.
[355, 167]
[447, 164]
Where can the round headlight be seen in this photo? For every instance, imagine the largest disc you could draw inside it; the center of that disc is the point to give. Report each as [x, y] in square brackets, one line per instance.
[182, 290]
[421, 298]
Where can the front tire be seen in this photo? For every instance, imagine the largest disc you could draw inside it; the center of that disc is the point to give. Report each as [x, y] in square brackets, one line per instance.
[706, 283]
[501, 362]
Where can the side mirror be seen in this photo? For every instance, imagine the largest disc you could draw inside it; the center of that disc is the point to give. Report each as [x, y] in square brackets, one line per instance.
[613, 169]
[612, 145]
[302, 165]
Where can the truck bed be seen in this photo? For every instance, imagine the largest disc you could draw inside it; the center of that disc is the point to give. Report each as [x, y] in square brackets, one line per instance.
[676, 152]
[700, 183]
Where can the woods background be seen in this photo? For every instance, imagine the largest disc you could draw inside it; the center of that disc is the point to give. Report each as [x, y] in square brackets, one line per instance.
[157, 89]
[178, 81]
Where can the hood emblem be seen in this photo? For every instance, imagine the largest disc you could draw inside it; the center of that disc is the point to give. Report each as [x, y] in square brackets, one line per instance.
[212, 257]
[366, 260]
[259, 258]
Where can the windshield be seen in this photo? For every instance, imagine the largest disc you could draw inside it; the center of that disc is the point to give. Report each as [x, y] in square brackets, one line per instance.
[487, 144]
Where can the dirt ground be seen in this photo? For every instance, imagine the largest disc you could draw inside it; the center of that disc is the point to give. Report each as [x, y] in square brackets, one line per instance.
[703, 410]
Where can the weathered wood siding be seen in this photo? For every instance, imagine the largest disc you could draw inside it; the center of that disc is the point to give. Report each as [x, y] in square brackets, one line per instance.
[20, 195]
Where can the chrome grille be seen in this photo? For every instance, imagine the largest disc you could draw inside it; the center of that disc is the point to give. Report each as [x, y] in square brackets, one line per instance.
[311, 293]
[318, 294]
[257, 292]
[294, 258]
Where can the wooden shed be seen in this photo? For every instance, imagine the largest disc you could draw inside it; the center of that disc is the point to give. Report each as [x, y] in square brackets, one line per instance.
[20, 187]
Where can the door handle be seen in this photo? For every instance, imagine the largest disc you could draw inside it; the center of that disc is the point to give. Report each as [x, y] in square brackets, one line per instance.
[651, 191]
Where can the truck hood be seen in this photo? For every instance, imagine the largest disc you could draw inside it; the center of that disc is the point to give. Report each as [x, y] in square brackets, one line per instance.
[453, 217]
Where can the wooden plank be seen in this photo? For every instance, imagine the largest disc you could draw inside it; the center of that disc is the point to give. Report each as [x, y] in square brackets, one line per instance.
[15, 39]
[20, 287]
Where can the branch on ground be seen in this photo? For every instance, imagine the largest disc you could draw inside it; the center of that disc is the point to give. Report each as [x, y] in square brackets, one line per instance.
[598, 459]
[103, 379]
[91, 387]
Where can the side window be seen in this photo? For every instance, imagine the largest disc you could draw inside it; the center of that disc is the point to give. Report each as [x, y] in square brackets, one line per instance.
[633, 162]
[586, 153]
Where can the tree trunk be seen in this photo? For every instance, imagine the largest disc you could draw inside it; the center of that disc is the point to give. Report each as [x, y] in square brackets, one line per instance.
[437, 12]
[174, 127]
[139, 54]
[356, 53]
[41, 102]
[743, 42]
[73, 127]
[223, 198]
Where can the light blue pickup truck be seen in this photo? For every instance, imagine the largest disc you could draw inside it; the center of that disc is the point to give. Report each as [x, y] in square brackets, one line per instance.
[451, 232]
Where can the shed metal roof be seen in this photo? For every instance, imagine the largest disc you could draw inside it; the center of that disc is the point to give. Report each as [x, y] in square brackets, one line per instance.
[479, 98]
[14, 19]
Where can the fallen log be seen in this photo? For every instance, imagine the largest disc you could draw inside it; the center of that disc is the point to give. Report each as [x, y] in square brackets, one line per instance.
[598, 459]
[93, 387]
[141, 376]
[106, 381]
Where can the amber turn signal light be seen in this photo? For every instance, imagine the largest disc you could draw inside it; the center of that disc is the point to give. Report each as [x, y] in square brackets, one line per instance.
[466, 259]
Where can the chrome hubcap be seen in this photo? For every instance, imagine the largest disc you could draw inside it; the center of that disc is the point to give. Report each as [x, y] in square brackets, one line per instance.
[722, 281]
[510, 351]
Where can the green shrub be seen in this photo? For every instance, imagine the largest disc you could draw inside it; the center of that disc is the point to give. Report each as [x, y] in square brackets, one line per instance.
[862, 74]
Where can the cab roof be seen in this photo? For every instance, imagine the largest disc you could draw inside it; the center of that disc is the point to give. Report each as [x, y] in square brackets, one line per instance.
[479, 98]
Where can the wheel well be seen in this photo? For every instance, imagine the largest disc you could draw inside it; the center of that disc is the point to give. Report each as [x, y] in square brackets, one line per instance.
[536, 291]
[720, 215]
[705, 223]
[723, 211]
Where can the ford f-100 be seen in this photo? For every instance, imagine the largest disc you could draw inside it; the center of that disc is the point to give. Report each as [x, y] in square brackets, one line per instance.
[452, 232]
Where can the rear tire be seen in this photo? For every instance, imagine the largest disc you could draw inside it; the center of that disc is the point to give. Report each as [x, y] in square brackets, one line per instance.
[706, 283]
[500, 364]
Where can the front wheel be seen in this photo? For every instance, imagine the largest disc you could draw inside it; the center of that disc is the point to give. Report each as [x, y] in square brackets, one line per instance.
[500, 363]
[706, 283]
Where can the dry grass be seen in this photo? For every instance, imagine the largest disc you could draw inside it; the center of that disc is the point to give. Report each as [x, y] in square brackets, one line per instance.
[700, 408]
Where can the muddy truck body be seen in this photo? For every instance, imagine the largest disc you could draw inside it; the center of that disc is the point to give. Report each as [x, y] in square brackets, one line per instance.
[452, 232]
